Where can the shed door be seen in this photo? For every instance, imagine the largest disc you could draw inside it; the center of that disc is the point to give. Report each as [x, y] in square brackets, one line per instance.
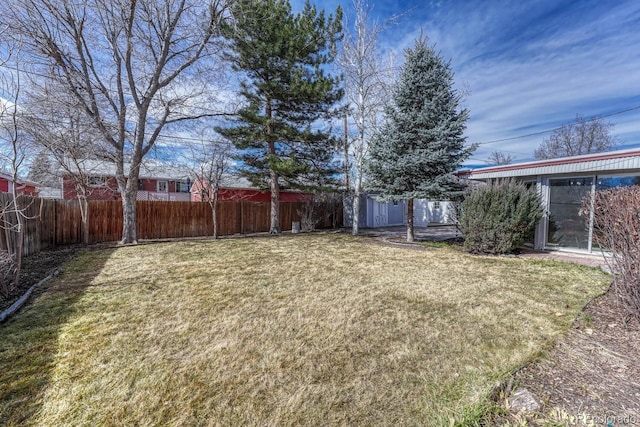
[395, 211]
[379, 214]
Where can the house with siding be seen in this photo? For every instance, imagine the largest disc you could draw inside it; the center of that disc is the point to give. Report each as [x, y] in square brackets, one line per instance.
[157, 181]
[25, 187]
[237, 188]
[562, 184]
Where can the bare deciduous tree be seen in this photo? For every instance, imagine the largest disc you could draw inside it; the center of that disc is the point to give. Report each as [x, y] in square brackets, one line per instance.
[14, 150]
[366, 86]
[585, 136]
[210, 157]
[70, 143]
[498, 158]
[135, 67]
[616, 229]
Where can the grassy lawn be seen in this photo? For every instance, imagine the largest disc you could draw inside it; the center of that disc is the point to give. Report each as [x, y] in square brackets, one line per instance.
[320, 329]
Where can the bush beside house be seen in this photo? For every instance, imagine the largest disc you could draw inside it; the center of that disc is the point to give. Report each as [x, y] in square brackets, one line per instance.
[499, 218]
[616, 228]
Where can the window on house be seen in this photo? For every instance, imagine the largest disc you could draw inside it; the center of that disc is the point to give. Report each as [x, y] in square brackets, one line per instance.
[436, 205]
[605, 182]
[182, 187]
[163, 186]
[97, 181]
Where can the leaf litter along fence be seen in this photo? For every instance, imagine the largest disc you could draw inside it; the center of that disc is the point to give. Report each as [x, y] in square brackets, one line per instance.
[50, 223]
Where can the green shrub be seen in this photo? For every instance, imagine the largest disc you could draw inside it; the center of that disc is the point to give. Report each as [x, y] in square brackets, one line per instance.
[499, 218]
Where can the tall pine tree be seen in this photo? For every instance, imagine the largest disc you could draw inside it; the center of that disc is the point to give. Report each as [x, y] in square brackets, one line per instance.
[282, 57]
[421, 143]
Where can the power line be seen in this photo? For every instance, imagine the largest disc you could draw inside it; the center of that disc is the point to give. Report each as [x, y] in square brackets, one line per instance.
[542, 132]
[559, 127]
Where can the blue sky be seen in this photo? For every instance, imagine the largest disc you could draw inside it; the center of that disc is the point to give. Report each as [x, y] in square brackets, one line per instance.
[528, 66]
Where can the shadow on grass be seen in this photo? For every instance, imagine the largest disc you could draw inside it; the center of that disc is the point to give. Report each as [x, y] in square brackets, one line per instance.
[29, 339]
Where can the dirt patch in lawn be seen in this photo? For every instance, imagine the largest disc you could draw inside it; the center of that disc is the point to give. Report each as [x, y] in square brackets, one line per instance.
[35, 268]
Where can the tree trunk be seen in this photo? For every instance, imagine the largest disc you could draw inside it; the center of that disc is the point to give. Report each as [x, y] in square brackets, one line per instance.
[84, 213]
[274, 227]
[275, 204]
[19, 249]
[357, 191]
[355, 222]
[129, 230]
[19, 235]
[214, 212]
[128, 186]
[347, 184]
[410, 233]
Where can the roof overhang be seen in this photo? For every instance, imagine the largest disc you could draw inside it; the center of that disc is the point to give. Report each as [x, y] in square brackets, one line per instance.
[19, 181]
[609, 162]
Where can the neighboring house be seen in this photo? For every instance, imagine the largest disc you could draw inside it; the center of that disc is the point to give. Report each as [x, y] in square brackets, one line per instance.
[25, 187]
[563, 183]
[382, 214]
[49, 192]
[156, 182]
[159, 181]
[237, 188]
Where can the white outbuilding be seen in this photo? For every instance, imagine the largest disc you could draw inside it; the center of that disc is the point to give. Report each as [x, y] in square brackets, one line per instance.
[383, 214]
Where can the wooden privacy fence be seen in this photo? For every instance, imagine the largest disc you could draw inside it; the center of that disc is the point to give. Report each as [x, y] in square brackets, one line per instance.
[164, 219]
[49, 223]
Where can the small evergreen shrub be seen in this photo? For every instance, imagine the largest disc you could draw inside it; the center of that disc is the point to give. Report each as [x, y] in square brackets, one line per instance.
[499, 218]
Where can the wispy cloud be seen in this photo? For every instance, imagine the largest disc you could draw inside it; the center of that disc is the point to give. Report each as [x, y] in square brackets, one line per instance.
[529, 66]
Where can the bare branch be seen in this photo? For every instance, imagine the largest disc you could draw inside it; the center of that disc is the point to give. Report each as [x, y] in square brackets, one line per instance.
[497, 158]
[367, 85]
[616, 229]
[585, 136]
[129, 65]
[15, 148]
[209, 160]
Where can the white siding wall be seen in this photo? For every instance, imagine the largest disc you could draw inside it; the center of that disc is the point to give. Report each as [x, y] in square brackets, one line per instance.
[421, 213]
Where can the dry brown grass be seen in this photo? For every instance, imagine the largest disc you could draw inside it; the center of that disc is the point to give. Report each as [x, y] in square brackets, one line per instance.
[320, 329]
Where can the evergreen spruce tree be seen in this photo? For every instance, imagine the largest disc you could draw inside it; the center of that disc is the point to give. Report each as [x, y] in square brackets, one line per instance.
[286, 89]
[421, 143]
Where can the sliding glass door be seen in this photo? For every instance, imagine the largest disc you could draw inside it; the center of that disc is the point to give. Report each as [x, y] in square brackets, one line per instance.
[567, 229]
